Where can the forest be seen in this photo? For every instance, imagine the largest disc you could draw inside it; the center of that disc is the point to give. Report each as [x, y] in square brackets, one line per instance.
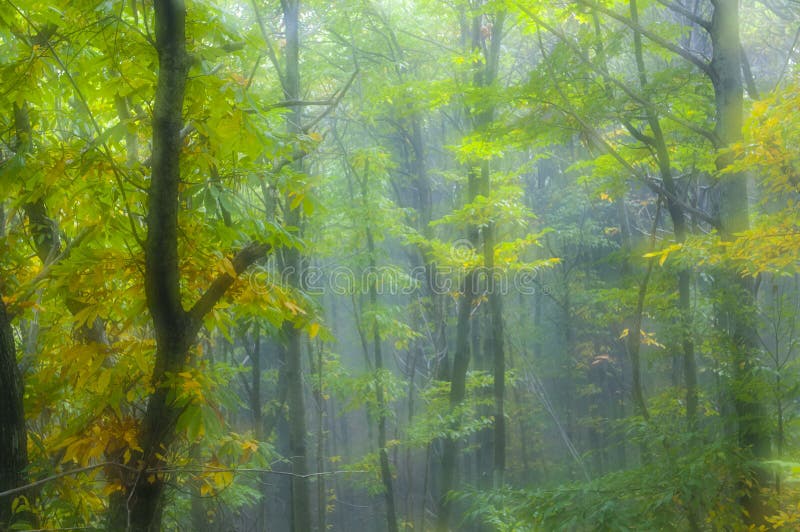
[399, 265]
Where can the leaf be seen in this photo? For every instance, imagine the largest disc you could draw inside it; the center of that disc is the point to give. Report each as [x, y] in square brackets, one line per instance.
[293, 308]
[227, 266]
[102, 382]
[663, 253]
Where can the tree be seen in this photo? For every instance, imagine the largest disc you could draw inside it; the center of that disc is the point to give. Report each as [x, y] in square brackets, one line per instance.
[474, 24]
[175, 328]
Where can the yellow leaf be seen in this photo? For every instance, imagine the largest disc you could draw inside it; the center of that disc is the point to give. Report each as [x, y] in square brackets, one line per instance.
[223, 479]
[102, 382]
[295, 310]
[313, 330]
[227, 265]
[250, 445]
[111, 488]
[624, 333]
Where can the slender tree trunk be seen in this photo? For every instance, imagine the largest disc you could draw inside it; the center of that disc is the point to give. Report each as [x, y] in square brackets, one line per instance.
[678, 218]
[458, 388]
[380, 399]
[256, 401]
[486, 77]
[316, 359]
[479, 182]
[292, 262]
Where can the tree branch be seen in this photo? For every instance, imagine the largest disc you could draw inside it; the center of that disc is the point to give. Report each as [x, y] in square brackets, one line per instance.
[686, 54]
[296, 103]
[247, 256]
[273, 58]
[85, 469]
[619, 84]
[749, 79]
[336, 99]
[301, 153]
[57, 476]
[677, 8]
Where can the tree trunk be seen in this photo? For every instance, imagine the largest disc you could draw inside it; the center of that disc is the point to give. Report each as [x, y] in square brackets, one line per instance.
[301, 510]
[380, 399]
[479, 182]
[485, 77]
[678, 218]
[737, 308]
[13, 434]
[458, 388]
[175, 328]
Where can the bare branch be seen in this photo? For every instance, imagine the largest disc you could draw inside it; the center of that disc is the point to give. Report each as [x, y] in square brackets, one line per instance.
[26, 487]
[273, 58]
[749, 79]
[301, 153]
[702, 215]
[79, 470]
[296, 103]
[686, 54]
[336, 99]
[614, 81]
[677, 8]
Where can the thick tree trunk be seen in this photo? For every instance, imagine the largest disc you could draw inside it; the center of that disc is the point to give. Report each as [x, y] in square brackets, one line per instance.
[13, 434]
[175, 328]
[737, 307]
[144, 492]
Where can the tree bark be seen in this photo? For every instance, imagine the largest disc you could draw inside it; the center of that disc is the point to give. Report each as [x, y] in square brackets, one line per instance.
[458, 388]
[737, 307]
[292, 263]
[380, 399]
[13, 433]
[495, 340]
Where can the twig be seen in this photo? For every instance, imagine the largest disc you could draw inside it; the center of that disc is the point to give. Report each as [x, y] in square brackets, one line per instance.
[26, 487]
